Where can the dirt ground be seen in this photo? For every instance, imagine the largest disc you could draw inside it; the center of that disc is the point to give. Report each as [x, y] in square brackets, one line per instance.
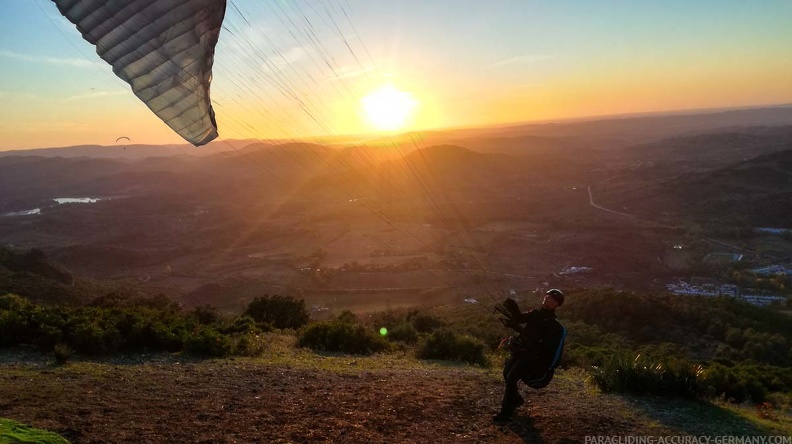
[295, 396]
[244, 401]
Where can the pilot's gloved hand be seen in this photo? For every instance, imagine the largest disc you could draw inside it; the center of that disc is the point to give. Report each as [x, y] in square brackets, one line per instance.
[512, 307]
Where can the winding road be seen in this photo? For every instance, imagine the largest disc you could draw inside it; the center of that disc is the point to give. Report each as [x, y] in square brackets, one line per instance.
[593, 204]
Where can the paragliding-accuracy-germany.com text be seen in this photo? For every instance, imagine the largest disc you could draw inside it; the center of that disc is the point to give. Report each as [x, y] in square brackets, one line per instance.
[723, 439]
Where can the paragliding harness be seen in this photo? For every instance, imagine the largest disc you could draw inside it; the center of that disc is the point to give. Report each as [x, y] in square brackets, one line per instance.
[516, 346]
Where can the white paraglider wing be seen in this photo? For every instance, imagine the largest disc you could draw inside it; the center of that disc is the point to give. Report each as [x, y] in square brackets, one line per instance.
[164, 49]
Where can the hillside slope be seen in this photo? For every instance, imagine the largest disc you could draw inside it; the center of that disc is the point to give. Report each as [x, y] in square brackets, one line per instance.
[296, 396]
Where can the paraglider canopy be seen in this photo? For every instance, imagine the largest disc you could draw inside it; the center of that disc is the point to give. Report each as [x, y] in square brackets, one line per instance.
[123, 137]
[164, 49]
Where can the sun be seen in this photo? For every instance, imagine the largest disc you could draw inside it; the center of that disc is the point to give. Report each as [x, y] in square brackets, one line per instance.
[388, 108]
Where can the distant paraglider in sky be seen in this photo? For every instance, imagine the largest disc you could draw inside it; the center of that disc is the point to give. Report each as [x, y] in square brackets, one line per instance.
[164, 49]
[123, 137]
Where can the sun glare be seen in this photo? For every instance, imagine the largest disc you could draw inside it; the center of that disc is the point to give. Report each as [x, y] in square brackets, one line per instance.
[388, 108]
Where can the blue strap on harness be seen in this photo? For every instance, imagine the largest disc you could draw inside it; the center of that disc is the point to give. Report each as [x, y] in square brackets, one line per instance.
[545, 379]
[560, 348]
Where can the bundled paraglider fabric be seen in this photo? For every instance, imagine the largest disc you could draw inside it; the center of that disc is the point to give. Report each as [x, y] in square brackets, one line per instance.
[164, 49]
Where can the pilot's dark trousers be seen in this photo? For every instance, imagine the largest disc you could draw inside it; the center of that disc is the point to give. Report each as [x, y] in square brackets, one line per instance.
[514, 369]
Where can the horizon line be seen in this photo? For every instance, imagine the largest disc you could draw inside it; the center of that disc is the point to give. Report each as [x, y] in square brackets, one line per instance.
[565, 120]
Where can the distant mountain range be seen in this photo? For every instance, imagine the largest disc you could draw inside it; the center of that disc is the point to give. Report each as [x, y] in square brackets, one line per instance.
[717, 173]
[716, 149]
[266, 208]
[573, 136]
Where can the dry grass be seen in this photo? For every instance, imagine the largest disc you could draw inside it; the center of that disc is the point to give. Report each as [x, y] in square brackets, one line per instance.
[293, 395]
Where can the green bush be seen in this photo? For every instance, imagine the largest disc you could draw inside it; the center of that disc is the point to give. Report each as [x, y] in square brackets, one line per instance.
[424, 322]
[745, 381]
[147, 329]
[208, 342]
[245, 324]
[586, 356]
[347, 317]
[112, 324]
[48, 337]
[12, 302]
[14, 328]
[661, 373]
[249, 344]
[447, 345]
[91, 338]
[154, 335]
[206, 314]
[643, 375]
[752, 333]
[17, 320]
[403, 332]
[342, 337]
[62, 353]
[279, 311]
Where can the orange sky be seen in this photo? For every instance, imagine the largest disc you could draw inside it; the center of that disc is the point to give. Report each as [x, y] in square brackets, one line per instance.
[467, 66]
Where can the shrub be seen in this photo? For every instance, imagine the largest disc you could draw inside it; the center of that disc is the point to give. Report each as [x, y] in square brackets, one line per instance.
[14, 328]
[208, 342]
[403, 332]
[622, 373]
[245, 324]
[249, 344]
[342, 337]
[447, 345]
[387, 319]
[279, 311]
[424, 322]
[743, 382]
[206, 314]
[48, 337]
[348, 317]
[147, 333]
[587, 356]
[62, 353]
[144, 328]
[91, 338]
[13, 302]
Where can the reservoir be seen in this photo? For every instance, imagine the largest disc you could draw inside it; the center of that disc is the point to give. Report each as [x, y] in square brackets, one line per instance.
[24, 213]
[65, 200]
[59, 200]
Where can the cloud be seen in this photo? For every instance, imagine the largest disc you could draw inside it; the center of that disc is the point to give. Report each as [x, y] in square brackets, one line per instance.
[96, 94]
[347, 72]
[19, 95]
[11, 95]
[283, 60]
[243, 38]
[527, 58]
[79, 63]
[38, 128]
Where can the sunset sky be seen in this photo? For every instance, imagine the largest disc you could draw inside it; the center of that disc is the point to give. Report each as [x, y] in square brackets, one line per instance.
[452, 62]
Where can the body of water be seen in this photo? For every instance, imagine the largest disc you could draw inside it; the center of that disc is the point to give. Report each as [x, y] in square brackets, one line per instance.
[65, 200]
[59, 200]
[23, 213]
